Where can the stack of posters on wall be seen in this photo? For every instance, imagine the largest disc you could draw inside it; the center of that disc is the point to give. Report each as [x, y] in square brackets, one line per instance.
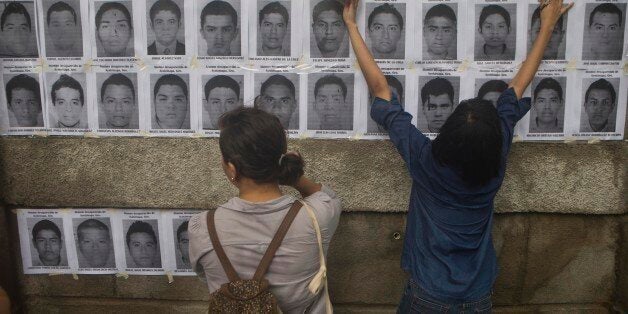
[172, 67]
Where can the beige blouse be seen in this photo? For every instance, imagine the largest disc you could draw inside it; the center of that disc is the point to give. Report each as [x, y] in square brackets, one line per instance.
[245, 230]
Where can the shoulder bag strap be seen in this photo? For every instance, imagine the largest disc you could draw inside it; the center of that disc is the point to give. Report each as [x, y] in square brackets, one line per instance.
[320, 279]
[276, 241]
[222, 257]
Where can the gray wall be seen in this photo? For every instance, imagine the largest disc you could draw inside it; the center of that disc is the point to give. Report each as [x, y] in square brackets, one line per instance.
[560, 231]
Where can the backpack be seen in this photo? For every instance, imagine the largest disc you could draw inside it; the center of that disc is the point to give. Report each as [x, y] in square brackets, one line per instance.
[247, 295]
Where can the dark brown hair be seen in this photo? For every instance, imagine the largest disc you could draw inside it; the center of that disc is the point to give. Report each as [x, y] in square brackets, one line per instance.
[254, 142]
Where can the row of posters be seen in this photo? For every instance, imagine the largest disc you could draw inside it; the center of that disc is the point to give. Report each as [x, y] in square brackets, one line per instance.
[105, 241]
[274, 30]
[172, 67]
[333, 103]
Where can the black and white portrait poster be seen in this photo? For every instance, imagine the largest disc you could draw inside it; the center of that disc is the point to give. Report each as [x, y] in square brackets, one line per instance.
[601, 111]
[18, 31]
[438, 96]
[23, 100]
[93, 249]
[556, 51]
[332, 103]
[489, 84]
[117, 100]
[387, 28]
[45, 237]
[141, 235]
[275, 31]
[170, 93]
[221, 89]
[65, 25]
[279, 94]
[166, 29]
[176, 241]
[116, 30]
[221, 28]
[498, 32]
[551, 97]
[326, 38]
[440, 31]
[68, 101]
[401, 87]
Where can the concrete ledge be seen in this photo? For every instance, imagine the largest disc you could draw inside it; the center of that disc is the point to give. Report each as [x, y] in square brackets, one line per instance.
[544, 259]
[117, 306]
[186, 173]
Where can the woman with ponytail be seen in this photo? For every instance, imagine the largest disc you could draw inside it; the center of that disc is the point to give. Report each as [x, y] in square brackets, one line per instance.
[256, 161]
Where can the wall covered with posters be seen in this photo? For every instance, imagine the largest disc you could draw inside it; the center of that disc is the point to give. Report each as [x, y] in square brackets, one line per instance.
[172, 67]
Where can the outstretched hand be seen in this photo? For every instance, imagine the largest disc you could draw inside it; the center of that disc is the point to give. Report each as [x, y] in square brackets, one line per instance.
[350, 11]
[552, 10]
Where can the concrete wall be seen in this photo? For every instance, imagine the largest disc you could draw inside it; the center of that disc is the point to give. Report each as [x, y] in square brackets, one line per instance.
[560, 231]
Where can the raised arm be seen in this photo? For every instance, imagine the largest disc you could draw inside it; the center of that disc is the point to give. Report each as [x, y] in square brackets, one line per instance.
[375, 79]
[550, 13]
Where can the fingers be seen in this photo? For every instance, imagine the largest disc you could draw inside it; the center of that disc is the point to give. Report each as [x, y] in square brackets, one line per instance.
[566, 8]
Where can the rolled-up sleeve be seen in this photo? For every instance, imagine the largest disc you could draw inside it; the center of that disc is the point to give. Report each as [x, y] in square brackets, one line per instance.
[408, 140]
[510, 111]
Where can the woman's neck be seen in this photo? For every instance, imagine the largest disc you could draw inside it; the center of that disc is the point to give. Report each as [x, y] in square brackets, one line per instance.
[258, 192]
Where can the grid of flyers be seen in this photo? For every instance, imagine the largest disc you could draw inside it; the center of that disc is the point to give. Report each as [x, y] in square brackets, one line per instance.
[173, 67]
[105, 241]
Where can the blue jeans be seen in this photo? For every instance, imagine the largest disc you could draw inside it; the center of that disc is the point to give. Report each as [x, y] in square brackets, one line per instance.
[415, 300]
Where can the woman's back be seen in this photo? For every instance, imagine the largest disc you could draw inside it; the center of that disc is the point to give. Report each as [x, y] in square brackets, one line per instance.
[245, 229]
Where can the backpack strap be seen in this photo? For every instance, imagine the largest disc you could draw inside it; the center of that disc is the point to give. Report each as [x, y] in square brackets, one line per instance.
[276, 241]
[224, 260]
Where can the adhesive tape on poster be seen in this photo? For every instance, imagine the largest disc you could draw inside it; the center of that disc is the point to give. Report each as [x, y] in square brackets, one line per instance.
[516, 139]
[141, 65]
[74, 276]
[464, 66]
[40, 133]
[194, 63]
[594, 140]
[170, 277]
[90, 135]
[570, 140]
[123, 275]
[88, 65]
[144, 133]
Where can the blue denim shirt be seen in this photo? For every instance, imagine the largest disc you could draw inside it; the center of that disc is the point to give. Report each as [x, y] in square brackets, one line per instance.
[448, 247]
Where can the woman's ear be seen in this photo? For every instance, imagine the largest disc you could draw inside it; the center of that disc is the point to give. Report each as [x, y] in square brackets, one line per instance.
[230, 171]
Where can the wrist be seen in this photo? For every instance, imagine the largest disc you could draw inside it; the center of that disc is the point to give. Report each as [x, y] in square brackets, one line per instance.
[547, 27]
[351, 25]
